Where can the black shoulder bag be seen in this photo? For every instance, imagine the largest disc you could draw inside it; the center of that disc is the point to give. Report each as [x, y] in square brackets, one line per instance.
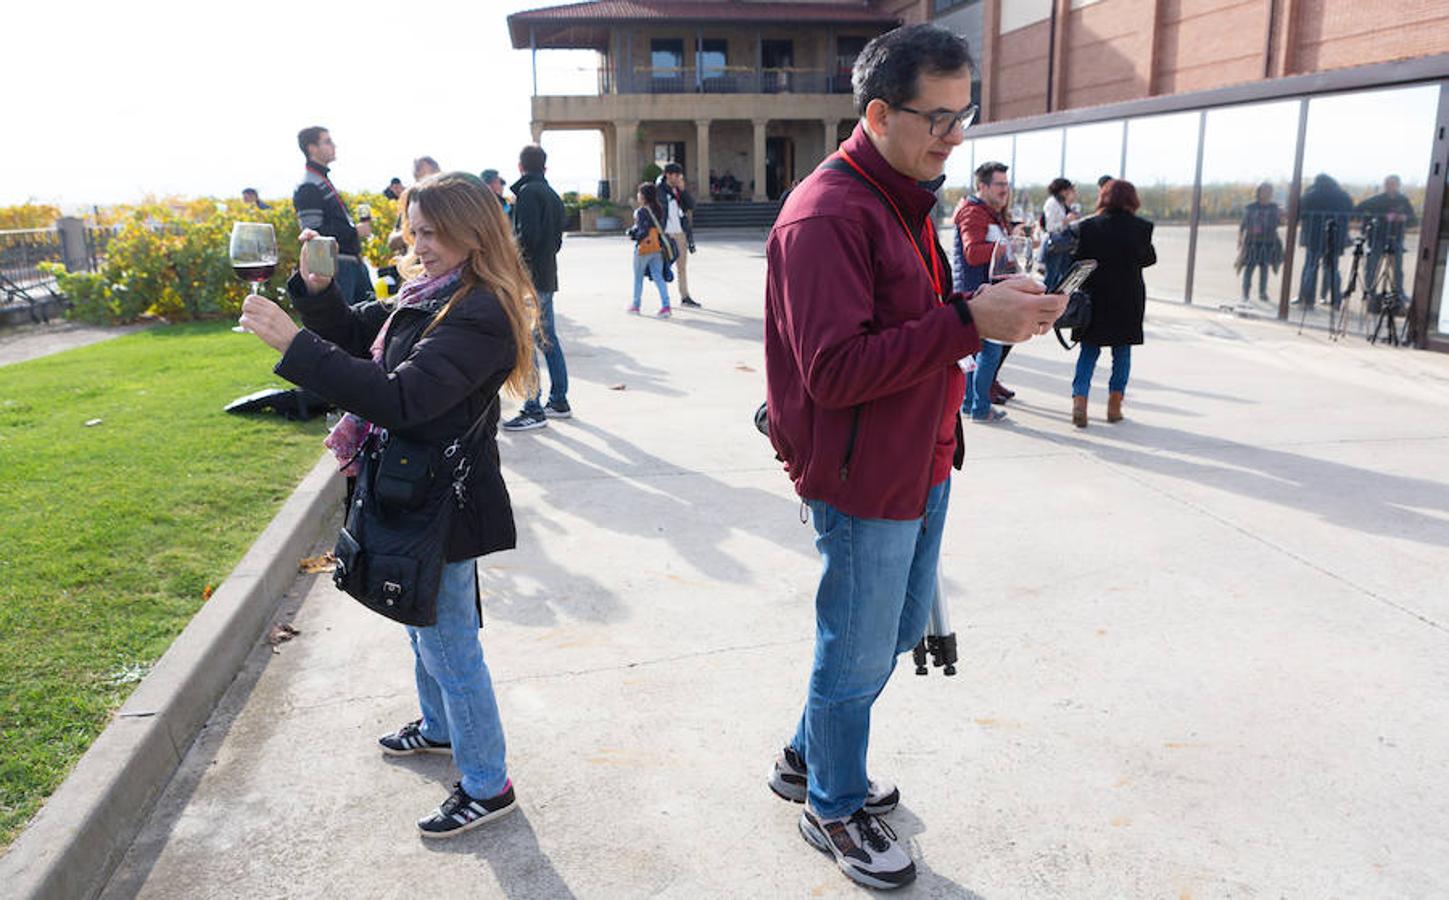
[390, 553]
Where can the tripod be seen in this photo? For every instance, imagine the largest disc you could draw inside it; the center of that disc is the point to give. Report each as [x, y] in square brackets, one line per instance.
[1339, 328]
[1384, 299]
[940, 640]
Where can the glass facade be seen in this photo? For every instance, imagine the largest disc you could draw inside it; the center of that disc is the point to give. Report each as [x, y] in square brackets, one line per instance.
[1233, 229]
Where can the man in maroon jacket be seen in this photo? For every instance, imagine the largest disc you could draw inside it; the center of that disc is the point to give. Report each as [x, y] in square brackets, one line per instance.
[862, 338]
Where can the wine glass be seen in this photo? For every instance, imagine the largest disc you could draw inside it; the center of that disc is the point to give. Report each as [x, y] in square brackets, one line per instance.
[1010, 256]
[253, 255]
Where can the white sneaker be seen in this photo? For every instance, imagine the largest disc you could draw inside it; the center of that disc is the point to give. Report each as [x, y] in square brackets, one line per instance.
[865, 848]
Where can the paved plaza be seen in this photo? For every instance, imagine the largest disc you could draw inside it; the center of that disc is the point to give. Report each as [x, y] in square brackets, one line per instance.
[1205, 652]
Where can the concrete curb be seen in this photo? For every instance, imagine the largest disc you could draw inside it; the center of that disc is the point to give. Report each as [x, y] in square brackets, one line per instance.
[74, 844]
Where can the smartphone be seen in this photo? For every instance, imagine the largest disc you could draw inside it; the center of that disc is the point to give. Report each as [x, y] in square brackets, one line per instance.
[1076, 276]
[321, 255]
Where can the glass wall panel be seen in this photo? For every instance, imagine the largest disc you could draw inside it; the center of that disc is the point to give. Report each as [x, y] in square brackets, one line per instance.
[1365, 162]
[1093, 151]
[1161, 164]
[1247, 150]
[1038, 161]
[1439, 287]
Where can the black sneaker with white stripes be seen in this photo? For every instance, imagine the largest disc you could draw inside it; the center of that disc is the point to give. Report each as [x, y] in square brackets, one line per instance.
[460, 812]
[409, 739]
[865, 848]
[787, 780]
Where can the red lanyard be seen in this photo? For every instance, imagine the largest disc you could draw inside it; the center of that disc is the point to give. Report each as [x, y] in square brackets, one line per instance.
[933, 268]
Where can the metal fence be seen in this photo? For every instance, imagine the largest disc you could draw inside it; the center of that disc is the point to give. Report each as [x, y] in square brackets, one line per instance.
[727, 80]
[21, 252]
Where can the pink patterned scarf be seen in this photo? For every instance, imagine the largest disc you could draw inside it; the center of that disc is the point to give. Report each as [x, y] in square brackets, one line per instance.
[348, 436]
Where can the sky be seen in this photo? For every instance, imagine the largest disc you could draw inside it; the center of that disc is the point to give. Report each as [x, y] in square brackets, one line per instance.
[125, 99]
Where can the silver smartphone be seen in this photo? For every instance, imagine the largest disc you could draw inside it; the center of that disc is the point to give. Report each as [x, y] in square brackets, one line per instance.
[320, 254]
[1076, 276]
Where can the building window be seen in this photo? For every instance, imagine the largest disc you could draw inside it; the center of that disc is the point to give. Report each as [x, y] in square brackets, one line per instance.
[713, 57]
[668, 152]
[666, 57]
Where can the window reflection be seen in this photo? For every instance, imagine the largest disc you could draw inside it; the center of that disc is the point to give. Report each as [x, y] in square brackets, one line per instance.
[1038, 162]
[1247, 168]
[1161, 164]
[1364, 162]
[1093, 151]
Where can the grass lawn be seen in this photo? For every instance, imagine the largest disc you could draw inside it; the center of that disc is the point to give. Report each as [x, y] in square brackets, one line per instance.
[110, 534]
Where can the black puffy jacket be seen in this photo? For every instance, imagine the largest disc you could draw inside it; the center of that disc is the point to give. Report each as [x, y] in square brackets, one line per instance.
[429, 388]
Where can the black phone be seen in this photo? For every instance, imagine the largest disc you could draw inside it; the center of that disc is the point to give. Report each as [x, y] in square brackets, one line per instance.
[1076, 276]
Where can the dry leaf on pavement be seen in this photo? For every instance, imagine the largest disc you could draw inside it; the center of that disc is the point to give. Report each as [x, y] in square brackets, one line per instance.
[315, 564]
[282, 631]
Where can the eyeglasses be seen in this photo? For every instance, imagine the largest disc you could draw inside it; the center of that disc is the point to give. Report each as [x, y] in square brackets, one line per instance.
[943, 124]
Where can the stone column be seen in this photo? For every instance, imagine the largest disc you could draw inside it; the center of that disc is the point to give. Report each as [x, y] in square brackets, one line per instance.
[626, 176]
[759, 195]
[537, 129]
[832, 128]
[701, 161]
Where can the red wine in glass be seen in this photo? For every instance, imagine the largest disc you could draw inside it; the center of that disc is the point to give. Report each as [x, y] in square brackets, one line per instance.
[253, 253]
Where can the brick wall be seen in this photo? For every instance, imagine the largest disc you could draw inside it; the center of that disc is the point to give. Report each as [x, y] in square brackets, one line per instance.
[1204, 44]
[1018, 85]
[1333, 34]
[1108, 52]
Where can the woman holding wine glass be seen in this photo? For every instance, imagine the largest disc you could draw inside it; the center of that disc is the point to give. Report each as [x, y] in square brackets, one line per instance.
[428, 367]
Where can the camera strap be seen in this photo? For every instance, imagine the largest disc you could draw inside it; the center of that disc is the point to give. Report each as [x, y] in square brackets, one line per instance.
[842, 162]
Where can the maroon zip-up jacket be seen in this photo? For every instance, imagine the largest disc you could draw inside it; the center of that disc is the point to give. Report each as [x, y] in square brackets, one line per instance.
[860, 352]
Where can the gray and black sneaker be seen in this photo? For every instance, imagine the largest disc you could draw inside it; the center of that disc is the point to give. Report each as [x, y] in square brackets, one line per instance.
[690, 302]
[865, 848]
[558, 410]
[526, 421]
[787, 780]
[460, 812]
[409, 740]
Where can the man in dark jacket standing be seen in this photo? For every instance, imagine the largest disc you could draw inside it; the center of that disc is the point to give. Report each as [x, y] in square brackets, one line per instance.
[678, 223]
[862, 338]
[320, 207]
[538, 222]
[1386, 216]
[1323, 212]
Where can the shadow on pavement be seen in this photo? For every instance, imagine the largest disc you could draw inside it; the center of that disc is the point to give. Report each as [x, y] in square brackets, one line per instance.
[510, 848]
[929, 882]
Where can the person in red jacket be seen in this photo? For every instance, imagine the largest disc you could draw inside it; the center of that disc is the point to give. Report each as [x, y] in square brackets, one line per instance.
[981, 221]
[862, 338]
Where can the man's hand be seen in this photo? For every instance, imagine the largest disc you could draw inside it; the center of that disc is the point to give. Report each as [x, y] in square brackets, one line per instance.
[316, 284]
[364, 229]
[268, 321]
[1015, 309]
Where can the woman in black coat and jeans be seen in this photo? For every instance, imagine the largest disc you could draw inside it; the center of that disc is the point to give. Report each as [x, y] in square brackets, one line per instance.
[427, 367]
[1121, 243]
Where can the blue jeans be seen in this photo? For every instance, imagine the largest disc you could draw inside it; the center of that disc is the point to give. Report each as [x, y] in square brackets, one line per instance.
[873, 604]
[1312, 260]
[455, 691]
[978, 383]
[558, 372]
[653, 264]
[1087, 364]
[352, 281]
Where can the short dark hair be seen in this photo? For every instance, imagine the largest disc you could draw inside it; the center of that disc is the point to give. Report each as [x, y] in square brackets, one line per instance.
[246, 191]
[1059, 186]
[890, 66]
[1118, 195]
[987, 171]
[309, 136]
[395, 181]
[488, 175]
[532, 159]
[1103, 180]
[673, 168]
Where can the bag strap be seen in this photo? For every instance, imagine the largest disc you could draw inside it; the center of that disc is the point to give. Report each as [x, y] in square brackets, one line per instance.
[1062, 341]
[464, 468]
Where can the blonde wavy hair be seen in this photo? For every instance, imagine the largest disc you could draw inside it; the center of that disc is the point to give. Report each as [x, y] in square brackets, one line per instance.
[468, 216]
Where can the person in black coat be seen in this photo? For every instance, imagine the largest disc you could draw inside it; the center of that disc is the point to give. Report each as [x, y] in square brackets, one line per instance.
[1121, 243]
[538, 223]
[429, 368]
[1323, 215]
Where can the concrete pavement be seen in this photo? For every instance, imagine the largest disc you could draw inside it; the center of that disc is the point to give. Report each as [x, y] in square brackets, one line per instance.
[1203, 651]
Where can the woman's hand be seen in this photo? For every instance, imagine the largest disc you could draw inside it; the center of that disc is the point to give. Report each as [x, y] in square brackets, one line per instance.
[269, 322]
[316, 284]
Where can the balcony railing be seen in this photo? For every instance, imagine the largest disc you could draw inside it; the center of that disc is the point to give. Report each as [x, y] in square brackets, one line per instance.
[722, 80]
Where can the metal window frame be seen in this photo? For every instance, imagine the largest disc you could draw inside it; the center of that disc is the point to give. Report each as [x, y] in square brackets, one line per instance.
[1426, 71]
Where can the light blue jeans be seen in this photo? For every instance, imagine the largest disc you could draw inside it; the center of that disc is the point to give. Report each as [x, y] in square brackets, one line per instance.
[455, 691]
[873, 604]
[1087, 364]
[653, 265]
[558, 371]
[978, 383]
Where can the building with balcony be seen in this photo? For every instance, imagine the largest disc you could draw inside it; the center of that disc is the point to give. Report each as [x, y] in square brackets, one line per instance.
[748, 96]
